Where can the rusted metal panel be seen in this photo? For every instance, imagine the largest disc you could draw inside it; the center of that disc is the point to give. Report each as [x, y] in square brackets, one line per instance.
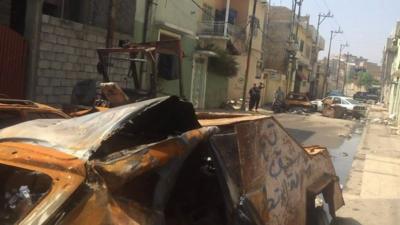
[66, 171]
[103, 207]
[134, 162]
[266, 175]
[13, 59]
[83, 136]
[275, 172]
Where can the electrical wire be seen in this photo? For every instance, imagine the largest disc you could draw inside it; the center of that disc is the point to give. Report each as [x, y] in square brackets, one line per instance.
[334, 24]
[203, 10]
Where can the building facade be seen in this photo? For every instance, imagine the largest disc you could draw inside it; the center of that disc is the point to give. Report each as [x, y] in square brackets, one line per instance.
[281, 48]
[243, 10]
[63, 37]
[392, 83]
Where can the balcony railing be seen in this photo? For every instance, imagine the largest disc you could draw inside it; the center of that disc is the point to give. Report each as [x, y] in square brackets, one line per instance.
[217, 28]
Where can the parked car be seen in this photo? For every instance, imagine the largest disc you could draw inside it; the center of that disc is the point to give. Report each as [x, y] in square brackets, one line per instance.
[157, 162]
[298, 101]
[318, 104]
[353, 107]
[366, 97]
[13, 111]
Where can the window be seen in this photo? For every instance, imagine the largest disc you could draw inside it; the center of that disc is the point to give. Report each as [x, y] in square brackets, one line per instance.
[67, 9]
[168, 64]
[20, 191]
[9, 118]
[337, 101]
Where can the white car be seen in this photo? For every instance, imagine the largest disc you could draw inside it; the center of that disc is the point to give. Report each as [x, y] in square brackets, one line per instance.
[349, 104]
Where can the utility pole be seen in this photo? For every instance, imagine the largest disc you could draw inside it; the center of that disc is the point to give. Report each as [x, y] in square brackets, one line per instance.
[325, 85]
[246, 76]
[111, 23]
[297, 4]
[321, 18]
[345, 74]
[342, 47]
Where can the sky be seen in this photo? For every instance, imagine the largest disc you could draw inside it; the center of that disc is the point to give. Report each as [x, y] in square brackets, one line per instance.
[366, 23]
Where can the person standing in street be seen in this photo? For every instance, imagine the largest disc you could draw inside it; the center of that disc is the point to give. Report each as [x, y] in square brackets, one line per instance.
[255, 96]
[252, 93]
[258, 95]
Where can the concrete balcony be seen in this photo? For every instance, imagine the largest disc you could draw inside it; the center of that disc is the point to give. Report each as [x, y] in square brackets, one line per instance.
[213, 32]
[215, 29]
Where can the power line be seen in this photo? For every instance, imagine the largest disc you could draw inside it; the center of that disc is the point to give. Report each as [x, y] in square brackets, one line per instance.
[202, 9]
[335, 23]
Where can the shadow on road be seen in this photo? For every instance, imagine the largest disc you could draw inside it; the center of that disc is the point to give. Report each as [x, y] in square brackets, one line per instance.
[345, 221]
[300, 135]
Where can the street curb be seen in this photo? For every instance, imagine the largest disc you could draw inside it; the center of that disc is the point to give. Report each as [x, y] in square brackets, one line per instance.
[358, 164]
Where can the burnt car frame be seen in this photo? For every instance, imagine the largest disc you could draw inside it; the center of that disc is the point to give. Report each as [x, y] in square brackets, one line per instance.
[298, 101]
[156, 162]
[14, 111]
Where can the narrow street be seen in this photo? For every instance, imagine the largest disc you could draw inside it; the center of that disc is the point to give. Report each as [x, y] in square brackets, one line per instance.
[366, 157]
[341, 137]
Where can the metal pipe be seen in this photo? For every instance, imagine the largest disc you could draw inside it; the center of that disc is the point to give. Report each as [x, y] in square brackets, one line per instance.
[345, 74]
[342, 46]
[227, 10]
[325, 85]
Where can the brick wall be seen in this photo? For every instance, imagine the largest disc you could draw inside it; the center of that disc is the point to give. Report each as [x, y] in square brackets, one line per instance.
[5, 10]
[68, 55]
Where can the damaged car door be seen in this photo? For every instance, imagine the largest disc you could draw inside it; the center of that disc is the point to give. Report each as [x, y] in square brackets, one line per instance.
[271, 178]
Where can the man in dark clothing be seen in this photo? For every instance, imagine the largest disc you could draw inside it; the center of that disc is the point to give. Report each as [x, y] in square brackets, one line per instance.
[255, 96]
[258, 95]
[253, 93]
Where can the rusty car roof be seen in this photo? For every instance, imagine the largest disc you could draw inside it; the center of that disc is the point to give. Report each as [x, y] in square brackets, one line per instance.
[17, 104]
[82, 136]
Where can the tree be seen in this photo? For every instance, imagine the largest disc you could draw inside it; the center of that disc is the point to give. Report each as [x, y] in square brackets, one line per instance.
[363, 78]
[223, 63]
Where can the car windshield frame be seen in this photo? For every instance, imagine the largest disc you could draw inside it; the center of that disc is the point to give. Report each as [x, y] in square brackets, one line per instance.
[351, 101]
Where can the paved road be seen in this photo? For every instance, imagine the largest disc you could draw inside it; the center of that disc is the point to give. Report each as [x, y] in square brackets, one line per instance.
[316, 129]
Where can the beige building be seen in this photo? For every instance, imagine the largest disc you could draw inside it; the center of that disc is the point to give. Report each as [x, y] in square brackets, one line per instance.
[232, 33]
[244, 8]
[281, 47]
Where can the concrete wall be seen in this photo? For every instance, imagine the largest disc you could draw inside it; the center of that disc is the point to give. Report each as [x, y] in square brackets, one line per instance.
[216, 90]
[181, 15]
[277, 37]
[68, 55]
[272, 86]
[236, 84]
[178, 19]
[5, 12]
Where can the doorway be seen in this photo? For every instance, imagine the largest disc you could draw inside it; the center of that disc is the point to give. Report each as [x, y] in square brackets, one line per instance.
[199, 82]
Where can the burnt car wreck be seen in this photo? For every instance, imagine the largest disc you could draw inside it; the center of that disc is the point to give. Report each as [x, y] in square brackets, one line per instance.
[158, 163]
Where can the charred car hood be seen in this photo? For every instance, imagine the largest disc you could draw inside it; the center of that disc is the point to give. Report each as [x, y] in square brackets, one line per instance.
[84, 136]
